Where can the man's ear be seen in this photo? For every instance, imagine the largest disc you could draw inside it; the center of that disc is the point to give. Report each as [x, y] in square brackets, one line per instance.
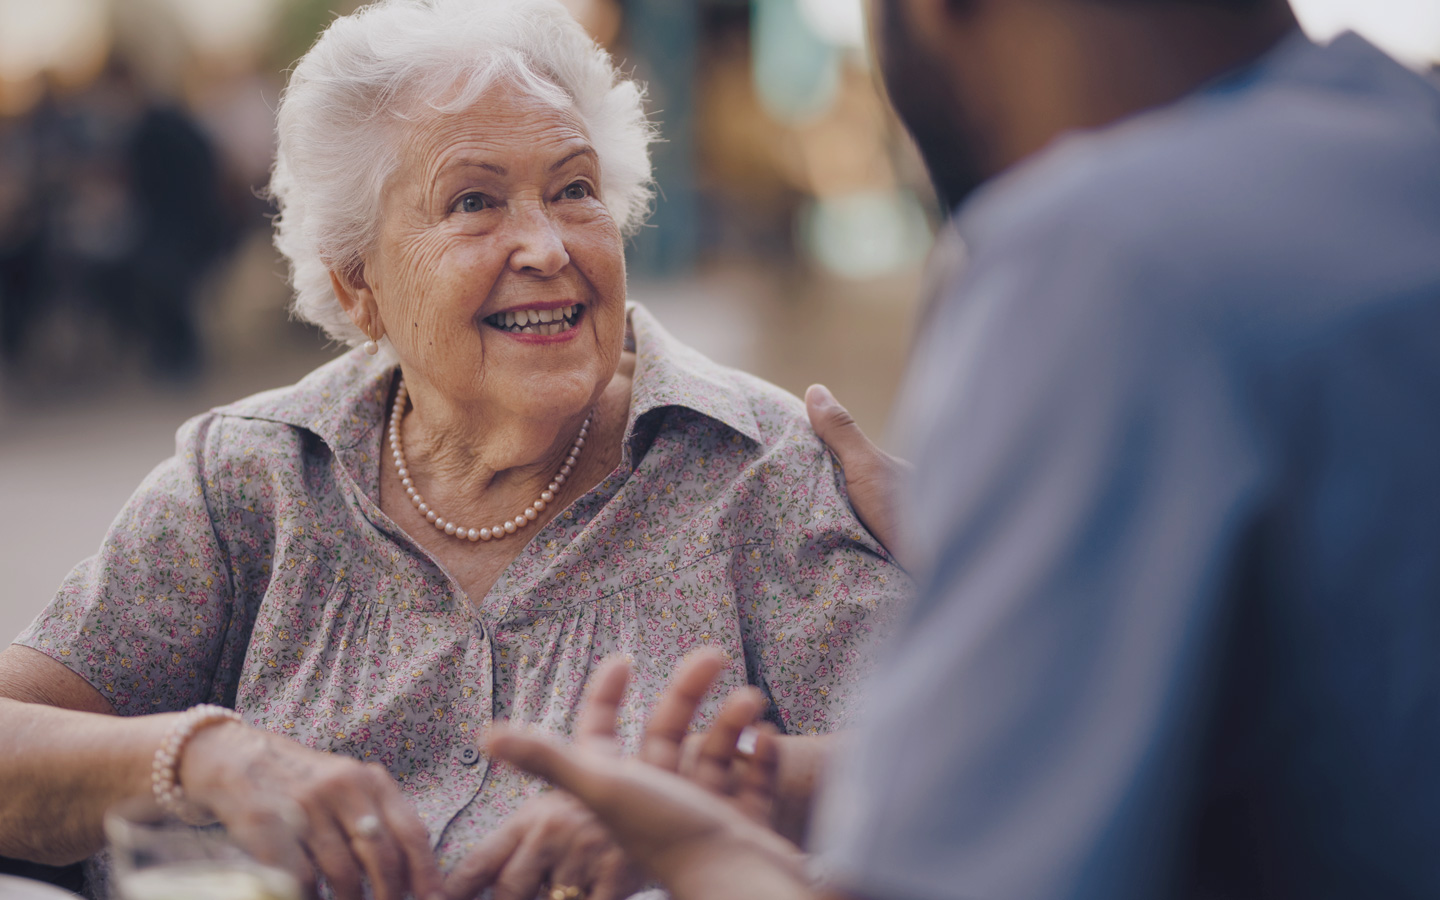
[357, 299]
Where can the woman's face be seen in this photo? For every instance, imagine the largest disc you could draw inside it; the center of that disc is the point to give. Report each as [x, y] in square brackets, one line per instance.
[499, 276]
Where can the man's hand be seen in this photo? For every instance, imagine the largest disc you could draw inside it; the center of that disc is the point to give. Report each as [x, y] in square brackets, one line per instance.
[872, 476]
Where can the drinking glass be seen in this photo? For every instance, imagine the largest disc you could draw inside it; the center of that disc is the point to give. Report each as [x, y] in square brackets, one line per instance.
[157, 857]
[15, 888]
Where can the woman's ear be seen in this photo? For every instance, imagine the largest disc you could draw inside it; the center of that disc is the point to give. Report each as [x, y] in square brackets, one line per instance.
[357, 299]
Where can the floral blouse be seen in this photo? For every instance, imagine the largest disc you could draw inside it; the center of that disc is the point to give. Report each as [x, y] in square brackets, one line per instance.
[255, 569]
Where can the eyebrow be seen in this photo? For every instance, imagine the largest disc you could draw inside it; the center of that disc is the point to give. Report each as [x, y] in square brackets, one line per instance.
[502, 171]
[583, 151]
[456, 165]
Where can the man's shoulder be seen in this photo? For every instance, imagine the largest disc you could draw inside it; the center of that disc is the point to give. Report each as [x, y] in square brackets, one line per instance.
[1300, 195]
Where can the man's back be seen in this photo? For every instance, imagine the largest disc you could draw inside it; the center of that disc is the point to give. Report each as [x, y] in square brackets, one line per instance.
[1178, 429]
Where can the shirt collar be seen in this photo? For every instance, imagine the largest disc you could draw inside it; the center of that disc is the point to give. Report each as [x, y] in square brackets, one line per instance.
[344, 402]
[670, 374]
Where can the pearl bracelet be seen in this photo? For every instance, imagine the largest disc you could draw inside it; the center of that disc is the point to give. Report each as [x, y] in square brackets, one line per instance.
[165, 771]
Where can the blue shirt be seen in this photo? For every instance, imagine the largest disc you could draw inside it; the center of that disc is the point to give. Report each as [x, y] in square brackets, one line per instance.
[1176, 424]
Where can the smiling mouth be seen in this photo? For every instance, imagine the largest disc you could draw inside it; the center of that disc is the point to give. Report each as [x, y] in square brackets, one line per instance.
[536, 321]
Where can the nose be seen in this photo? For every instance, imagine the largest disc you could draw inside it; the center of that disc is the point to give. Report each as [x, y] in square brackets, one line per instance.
[539, 247]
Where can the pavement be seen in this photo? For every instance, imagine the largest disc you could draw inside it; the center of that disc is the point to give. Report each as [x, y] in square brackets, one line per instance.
[66, 469]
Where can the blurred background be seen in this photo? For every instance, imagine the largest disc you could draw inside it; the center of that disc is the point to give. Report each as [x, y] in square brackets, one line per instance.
[138, 286]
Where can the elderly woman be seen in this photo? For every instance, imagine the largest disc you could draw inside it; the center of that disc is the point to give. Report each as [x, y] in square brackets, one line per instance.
[303, 621]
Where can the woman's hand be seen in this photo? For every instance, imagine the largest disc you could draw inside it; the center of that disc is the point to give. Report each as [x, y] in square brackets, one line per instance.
[711, 759]
[700, 844]
[555, 840]
[872, 476]
[288, 804]
[800, 766]
[551, 840]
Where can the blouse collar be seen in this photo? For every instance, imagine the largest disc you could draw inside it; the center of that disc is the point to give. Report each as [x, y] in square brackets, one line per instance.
[344, 402]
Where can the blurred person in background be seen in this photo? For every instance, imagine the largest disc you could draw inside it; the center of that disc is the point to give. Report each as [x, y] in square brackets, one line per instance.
[31, 206]
[113, 216]
[182, 229]
[301, 622]
[1175, 421]
[19, 238]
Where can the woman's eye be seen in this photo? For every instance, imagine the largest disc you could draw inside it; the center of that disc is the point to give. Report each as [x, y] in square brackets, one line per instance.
[577, 191]
[471, 203]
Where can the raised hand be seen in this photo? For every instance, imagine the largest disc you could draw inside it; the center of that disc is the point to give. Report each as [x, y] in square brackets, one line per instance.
[553, 840]
[694, 842]
[713, 758]
[704, 837]
[289, 804]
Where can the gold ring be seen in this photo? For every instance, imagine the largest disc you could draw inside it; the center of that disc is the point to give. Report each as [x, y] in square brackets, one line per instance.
[565, 892]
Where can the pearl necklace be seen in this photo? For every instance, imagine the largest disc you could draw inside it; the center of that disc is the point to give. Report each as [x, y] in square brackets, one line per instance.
[462, 532]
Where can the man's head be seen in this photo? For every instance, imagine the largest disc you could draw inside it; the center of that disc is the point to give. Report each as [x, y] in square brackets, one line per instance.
[981, 84]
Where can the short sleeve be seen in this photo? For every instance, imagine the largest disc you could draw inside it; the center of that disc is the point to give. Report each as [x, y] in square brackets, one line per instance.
[815, 603]
[1087, 472]
[145, 620]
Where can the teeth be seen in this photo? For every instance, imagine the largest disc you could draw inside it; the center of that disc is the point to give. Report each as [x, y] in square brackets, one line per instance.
[536, 321]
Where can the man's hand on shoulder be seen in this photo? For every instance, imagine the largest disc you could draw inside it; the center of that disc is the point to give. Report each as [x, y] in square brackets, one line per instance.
[872, 476]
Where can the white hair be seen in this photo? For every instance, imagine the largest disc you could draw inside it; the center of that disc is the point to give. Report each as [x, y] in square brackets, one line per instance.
[340, 122]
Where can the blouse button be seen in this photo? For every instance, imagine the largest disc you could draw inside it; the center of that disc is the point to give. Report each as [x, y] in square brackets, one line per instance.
[469, 756]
